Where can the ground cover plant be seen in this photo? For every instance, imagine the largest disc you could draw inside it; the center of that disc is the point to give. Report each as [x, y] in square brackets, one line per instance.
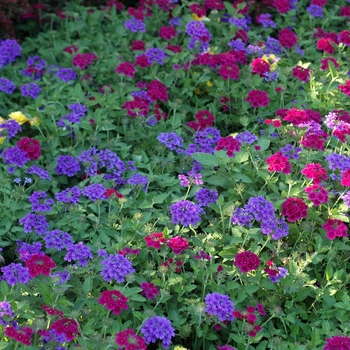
[176, 176]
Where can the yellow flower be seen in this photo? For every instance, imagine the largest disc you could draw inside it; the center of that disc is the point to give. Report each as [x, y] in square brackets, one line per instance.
[177, 347]
[209, 83]
[197, 91]
[19, 117]
[35, 121]
[203, 18]
[2, 140]
[272, 59]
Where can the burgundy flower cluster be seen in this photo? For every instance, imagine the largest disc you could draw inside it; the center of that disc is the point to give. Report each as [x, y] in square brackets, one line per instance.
[114, 301]
[294, 209]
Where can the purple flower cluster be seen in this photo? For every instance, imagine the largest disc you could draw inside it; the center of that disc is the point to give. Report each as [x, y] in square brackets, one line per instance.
[156, 328]
[265, 20]
[116, 267]
[156, 55]
[246, 137]
[78, 252]
[30, 90]
[205, 196]
[138, 179]
[282, 272]
[10, 128]
[78, 113]
[9, 50]
[26, 250]
[34, 222]
[272, 46]
[219, 305]
[199, 34]
[94, 192]
[7, 86]
[185, 213]
[346, 199]
[66, 74]
[67, 165]
[204, 141]
[338, 161]
[39, 203]
[261, 210]
[271, 76]
[63, 276]
[15, 156]
[237, 44]
[135, 25]
[291, 152]
[171, 140]
[15, 273]
[36, 67]
[69, 195]
[57, 239]
[94, 159]
[315, 11]
[5, 310]
[241, 23]
[43, 174]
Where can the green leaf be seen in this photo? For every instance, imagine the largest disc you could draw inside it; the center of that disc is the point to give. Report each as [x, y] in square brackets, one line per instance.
[205, 159]
[217, 180]
[241, 177]
[4, 288]
[241, 157]
[264, 143]
[87, 286]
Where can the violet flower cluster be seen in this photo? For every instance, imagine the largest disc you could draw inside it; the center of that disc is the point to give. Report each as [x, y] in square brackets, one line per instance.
[75, 117]
[15, 156]
[30, 90]
[205, 196]
[78, 252]
[42, 173]
[57, 239]
[26, 250]
[10, 129]
[156, 328]
[15, 273]
[219, 305]
[171, 140]
[7, 86]
[116, 267]
[34, 222]
[185, 213]
[39, 201]
[69, 195]
[9, 50]
[67, 165]
[199, 35]
[204, 141]
[261, 210]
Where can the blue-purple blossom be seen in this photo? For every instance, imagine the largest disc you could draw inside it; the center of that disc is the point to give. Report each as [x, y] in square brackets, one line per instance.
[171, 140]
[78, 252]
[116, 267]
[242, 217]
[338, 161]
[156, 55]
[276, 228]
[10, 128]
[9, 50]
[269, 76]
[241, 23]
[199, 35]
[205, 196]
[63, 276]
[260, 208]
[219, 305]
[237, 44]
[69, 195]
[138, 179]
[15, 156]
[135, 25]
[282, 272]
[43, 174]
[67, 165]
[265, 20]
[175, 21]
[30, 90]
[299, 50]
[94, 192]
[246, 137]
[36, 67]
[185, 213]
[291, 152]
[204, 141]
[272, 46]
[7, 86]
[39, 201]
[78, 113]
[66, 74]
[254, 50]
[315, 11]
[34, 222]
[57, 239]
[346, 199]
[5, 310]
[15, 273]
[26, 250]
[158, 328]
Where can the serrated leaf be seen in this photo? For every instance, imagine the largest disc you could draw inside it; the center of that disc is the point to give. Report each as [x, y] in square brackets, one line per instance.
[241, 177]
[217, 180]
[87, 286]
[264, 143]
[4, 288]
[241, 157]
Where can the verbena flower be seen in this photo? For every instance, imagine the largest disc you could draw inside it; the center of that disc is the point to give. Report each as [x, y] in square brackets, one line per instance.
[10, 128]
[9, 50]
[67, 165]
[69, 195]
[7, 86]
[219, 305]
[30, 90]
[171, 140]
[94, 192]
[15, 156]
[78, 252]
[158, 328]
[34, 222]
[57, 239]
[39, 201]
[116, 267]
[185, 213]
[138, 179]
[205, 196]
[15, 273]
[42, 173]
[135, 25]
